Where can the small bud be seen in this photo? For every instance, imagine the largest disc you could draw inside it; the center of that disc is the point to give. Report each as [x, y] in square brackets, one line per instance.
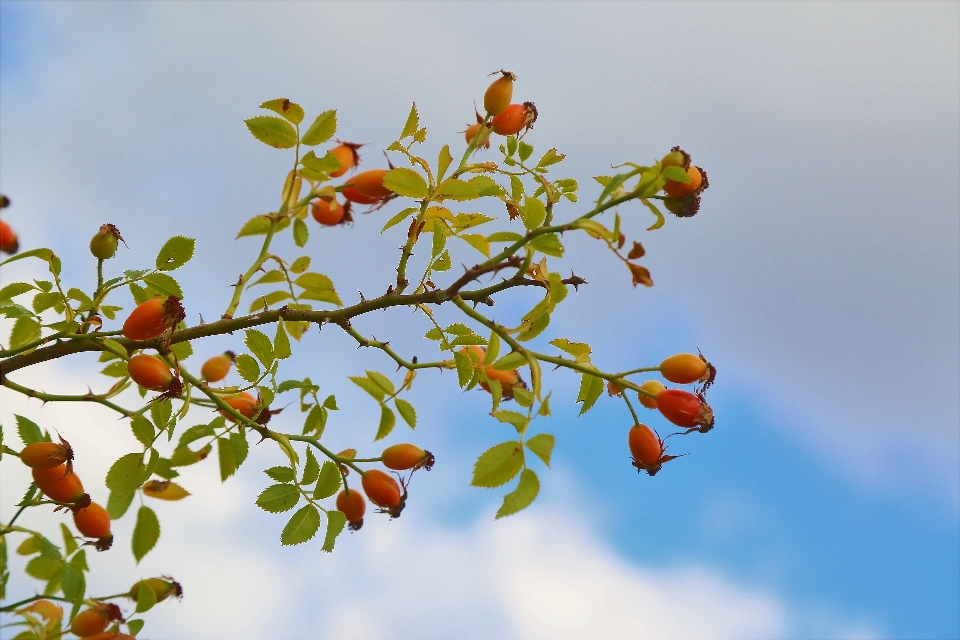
[103, 246]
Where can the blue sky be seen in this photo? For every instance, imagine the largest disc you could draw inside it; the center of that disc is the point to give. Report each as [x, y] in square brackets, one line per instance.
[822, 277]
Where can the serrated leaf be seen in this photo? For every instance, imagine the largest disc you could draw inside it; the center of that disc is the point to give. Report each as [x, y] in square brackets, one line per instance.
[25, 330]
[521, 497]
[548, 243]
[454, 189]
[142, 430]
[322, 129]
[185, 456]
[486, 186]
[145, 533]
[477, 241]
[388, 420]
[28, 430]
[328, 482]
[164, 284]
[281, 343]
[533, 212]
[311, 469]
[525, 150]
[465, 368]
[407, 412]
[369, 386]
[590, 389]
[175, 253]
[518, 420]
[273, 131]
[405, 182]
[300, 232]
[577, 349]
[118, 502]
[676, 174]
[15, 289]
[314, 421]
[127, 473]
[278, 498]
[227, 455]
[302, 526]
[498, 465]
[160, 412]
[146, 598]
[542, 445]
[281, 474]
[383, 381]
[550, 157]
[504, 236]
[260, 346]
[434, 334]
[412, 124]
[247, 367]
[335, 523]
[511, 361]
[270, 277]
[398, 218]
[290, 111]
[256, 226]
[44, 567]
[263, 302]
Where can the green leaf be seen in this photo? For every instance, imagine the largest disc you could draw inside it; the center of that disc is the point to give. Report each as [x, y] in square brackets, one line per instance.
[327, 164]
[443, 161]
[525, 150]
[511, 361]
[397, 219]
[247, 367]
[676, 174]
[328, 482]
[199, 431]
[548, 243]
[590, 389]
[281, 343]
[453, 189]
[315, 421]
[412, 124]
[533, 212]
[493, 349]
[256, 226]
[43, 254]
[145, 533]
[25, 330]
[311, 469]
[118, 502]
[504, 236]
[434, 334]
[518, 420]
[135, 626]
[227, 455]
[184, 456]
[261, 304]
[302, 526]
[260, 346]
[273, 131]
[300, 265]
[369, 386]
[14, 289]
[142, 430]
[270, 277]
[322, 129]
[498, 465]
[521, 497]
[407, 412]
[382, 381]
[477, 241]
[69, 543]
[240, 446]
[406, 182]
[580, 350]
[290, 111]
[388, 420]
[30, 546]
[72, 583]
[28, 430]
[164, 284]
[44, 567]
[542, 445]
[160, 412]
[127, 473]
[335, 523]
[439, 240]
[550, 157]
[279, 498]
[175, 253]
[465, 368]
[300, 232]
[281, 474]
[146, 598]
[486, 186]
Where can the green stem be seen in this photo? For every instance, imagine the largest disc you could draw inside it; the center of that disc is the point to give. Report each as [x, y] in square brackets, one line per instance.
[385, 347]
[640, 370]
[51, 397]
[636, 420]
